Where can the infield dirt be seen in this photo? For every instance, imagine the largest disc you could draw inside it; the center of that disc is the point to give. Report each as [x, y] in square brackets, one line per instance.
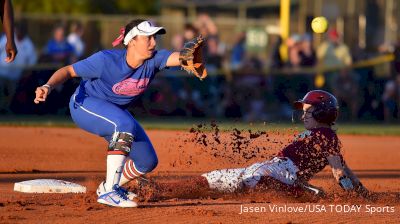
[74, 155]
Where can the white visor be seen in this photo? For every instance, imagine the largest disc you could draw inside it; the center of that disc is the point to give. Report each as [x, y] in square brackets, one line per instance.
[144, 28]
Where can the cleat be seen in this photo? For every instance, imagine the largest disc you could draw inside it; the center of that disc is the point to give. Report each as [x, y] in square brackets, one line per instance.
[116, 198]
[102, 189]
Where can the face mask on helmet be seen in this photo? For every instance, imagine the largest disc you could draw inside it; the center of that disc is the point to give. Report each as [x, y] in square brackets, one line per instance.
[297, 116]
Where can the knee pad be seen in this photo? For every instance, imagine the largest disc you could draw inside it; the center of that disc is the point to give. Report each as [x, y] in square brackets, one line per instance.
[120, 143]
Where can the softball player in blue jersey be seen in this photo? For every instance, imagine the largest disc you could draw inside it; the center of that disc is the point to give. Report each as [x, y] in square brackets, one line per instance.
[111, 79]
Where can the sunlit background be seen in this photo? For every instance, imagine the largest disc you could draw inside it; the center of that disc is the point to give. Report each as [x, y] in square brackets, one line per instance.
[261, 55]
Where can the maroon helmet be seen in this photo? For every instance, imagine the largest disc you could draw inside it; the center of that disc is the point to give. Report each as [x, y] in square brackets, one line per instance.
[325, 105]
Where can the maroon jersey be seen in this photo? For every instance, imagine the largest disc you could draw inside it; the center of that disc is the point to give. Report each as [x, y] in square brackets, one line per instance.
[310, 149]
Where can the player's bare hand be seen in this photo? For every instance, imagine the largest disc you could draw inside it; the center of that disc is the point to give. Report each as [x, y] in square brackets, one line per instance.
[11, 51]
[41, 94]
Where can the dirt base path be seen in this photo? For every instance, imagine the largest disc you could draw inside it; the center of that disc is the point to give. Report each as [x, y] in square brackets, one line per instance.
[74, 155]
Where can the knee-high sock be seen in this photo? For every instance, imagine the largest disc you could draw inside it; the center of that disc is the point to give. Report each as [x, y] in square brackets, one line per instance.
[129, 172]
[114, 165]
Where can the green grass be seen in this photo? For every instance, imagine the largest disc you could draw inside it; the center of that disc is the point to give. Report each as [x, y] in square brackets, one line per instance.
[166, 123]
[369, 129]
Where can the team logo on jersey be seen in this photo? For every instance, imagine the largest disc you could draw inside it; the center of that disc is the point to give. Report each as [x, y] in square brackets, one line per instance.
[131, 87]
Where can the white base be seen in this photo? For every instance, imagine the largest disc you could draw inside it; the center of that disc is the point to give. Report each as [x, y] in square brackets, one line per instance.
[48, 186]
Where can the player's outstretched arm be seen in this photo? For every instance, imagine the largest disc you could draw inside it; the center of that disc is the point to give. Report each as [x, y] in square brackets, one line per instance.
[173, 60]
[339, 173]
[345, 176]
[58, 78]
[7, 17]
[358, 186]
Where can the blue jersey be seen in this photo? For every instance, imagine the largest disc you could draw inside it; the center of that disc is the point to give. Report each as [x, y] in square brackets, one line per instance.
[106, 75]
[54, 47]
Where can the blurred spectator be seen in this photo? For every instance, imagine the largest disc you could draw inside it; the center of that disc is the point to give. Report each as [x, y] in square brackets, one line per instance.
[386, 48]
[214, 49]
[206, 26]
[276, 59]
[346, 91]
[301, 51]
[213, 56]
[27, 50]
[308, 58]
[10, 73]
[293, 44]
[58, 49]
[189, 32]
[396, 61]
[333, 52]
[307, 53]
[369, 97]
[75, 39]
[177, 42]
[238, 51]
[391, 99]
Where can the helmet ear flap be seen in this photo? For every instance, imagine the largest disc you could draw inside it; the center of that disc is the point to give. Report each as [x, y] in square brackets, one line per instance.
[327, 116]
[319, 114]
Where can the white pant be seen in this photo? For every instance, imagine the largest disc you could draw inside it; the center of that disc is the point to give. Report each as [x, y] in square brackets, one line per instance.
[229, 180]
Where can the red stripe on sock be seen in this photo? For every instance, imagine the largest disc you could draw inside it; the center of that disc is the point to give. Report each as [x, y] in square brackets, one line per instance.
[132, 169]
[125, 172]
[128, 173]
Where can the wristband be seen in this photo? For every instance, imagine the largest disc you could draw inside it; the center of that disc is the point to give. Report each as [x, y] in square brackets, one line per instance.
[47, 86]
[346, 183]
